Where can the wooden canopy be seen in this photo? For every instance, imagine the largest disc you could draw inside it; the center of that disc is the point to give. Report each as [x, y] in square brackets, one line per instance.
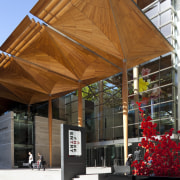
[83, 42]
[27, 83]
[111, 28]
[46, 63]
[100, 35]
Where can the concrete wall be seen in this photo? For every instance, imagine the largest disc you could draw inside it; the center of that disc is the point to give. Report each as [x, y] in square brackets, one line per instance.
[6, 141]
[42, 140]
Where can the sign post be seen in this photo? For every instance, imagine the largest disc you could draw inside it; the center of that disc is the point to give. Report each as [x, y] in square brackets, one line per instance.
[73, 151]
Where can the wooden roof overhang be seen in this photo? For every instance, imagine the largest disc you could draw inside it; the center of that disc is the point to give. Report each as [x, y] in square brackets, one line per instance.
[27, 83]
[100, 35]
[107, 27]
[53, 63]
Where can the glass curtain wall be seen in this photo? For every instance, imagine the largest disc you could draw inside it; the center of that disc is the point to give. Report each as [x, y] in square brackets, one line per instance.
[58, 109]
[103, 102]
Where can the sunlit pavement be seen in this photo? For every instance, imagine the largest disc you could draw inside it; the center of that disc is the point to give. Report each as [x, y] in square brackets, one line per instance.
[48, 174]
[28, 174]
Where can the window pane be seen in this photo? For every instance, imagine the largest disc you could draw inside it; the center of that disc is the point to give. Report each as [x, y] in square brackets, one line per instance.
[118, 133]
[166, 30]
[132, 101]
[118, 119]
[152, 110]
[166, 110]
[165, 4]
[165, 62]
[148, 68]
[155, 21]
[152, 11]
[166, 94]
[130, 75]
[165, 17]
[153, 80]
[133, 116]
[23, 133]
[166, 125]
[130, 88]
[108, 134]
[166, 77]
[133, 131]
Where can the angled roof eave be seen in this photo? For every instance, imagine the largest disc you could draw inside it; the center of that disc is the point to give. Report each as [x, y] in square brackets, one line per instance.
[135, 37]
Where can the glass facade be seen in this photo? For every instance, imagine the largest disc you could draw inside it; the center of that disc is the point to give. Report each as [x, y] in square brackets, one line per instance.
[108, 155]
[103, 102]
[23, 137]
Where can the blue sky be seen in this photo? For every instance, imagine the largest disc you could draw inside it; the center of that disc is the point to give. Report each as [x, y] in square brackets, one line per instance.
[12, 12]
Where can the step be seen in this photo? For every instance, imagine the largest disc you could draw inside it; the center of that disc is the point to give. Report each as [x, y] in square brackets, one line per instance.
[98, 170]
[88, 177]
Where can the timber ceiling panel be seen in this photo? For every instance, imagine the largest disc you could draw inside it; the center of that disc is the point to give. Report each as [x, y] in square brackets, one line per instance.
[27, 83]
[115, 27]
[53, 52]
[83, 42]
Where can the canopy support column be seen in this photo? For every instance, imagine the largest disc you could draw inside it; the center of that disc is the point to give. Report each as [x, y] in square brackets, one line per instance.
[50, 130]
[125, 109]
[136, 97]
[80, 123]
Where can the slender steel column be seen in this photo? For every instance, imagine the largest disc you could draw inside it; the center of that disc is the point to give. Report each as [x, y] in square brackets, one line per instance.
[125, 109]
[80, 123]
[50, 130]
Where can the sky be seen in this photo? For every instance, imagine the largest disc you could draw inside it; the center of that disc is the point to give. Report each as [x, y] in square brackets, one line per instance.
[12, 12]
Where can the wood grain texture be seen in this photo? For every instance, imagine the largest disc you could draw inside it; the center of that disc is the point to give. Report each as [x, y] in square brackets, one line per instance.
[105, 31]
[109, 27]
[48, 64]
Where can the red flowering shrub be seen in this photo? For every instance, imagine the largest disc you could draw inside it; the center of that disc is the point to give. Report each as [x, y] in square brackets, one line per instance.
[162, 157]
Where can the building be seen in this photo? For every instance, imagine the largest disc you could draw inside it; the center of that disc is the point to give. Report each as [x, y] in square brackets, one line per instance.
[154, 83]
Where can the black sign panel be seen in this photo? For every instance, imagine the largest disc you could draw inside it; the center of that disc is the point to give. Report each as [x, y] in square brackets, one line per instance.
[73, 151]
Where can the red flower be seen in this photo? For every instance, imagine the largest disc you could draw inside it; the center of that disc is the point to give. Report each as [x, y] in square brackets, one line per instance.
[162, 150]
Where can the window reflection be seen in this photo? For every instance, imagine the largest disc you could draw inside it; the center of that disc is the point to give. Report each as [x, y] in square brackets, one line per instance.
[103, 101]
[23, 133]
[166, 110]
[166, 125]
[118, 132]
[165, 17]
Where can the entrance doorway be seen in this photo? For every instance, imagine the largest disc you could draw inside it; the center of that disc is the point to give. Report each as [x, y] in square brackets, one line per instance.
[105, 156]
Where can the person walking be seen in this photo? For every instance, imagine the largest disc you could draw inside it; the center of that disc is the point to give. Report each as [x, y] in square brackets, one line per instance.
[129, 160]
[41, 162]
[137, 154]
[128, 164]
[30, 160]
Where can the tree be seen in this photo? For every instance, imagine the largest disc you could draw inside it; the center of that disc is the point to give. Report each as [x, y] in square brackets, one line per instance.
[162, 156]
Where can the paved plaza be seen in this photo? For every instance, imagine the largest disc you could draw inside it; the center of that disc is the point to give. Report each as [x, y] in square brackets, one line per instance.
[48, 174]
[28, 174]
